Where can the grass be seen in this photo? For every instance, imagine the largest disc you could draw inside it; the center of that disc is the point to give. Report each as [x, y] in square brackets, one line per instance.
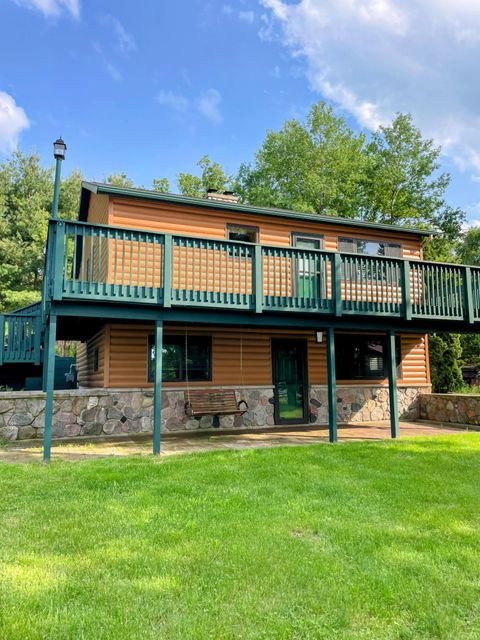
[361, 540]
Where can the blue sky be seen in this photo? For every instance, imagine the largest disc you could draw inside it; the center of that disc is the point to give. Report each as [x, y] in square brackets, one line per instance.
[149, 87]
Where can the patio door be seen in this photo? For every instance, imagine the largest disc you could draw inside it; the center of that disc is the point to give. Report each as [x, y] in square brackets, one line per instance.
[289, 360]
[308, 276]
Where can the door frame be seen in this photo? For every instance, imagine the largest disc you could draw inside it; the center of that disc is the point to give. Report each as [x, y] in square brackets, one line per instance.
[303, 343]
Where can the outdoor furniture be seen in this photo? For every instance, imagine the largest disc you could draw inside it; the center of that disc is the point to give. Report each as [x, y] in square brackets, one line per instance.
[213, 402]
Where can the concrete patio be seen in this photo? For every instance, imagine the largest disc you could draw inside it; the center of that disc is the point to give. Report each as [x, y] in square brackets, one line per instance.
[82, 448]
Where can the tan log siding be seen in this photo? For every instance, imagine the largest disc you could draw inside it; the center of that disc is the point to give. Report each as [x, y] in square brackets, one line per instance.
[98, 209]
[177, 219]
[87, 377]
[128, 356]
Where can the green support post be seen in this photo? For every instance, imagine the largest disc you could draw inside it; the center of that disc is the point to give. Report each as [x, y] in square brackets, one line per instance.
[258, 275]
[167, 270]
[469, 314]
[337, 284]
[56, 273]
[406, 296]
[56, 188]
[157, 396]
[48, 384]
[2, 338]
[392, 384]
[332, 386]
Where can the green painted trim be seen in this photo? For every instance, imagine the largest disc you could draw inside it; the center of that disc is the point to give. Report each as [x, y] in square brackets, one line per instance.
[2, 338]
[332, 386]
[145, 194]
[56, 188]
[258, 278]
[337, 283]
[407, 298]
[157, 392]
[392, 384]
[468, 292]
[58, 255]
[49, 378]
[167, 270]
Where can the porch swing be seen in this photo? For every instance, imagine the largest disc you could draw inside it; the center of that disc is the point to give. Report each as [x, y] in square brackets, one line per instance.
[213, 402]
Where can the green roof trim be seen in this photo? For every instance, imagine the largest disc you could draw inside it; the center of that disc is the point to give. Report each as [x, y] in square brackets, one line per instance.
[172, 198]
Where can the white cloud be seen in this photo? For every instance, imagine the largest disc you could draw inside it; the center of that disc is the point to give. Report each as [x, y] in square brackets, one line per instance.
[377, 57]
[176, 101]
[125, 41]
[53, 7]
[209, 105]
[246, 16]
[13, 120]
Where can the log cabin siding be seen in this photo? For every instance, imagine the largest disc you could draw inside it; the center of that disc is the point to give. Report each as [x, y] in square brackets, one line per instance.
[204, 223]
[126, 346]
[87, 376]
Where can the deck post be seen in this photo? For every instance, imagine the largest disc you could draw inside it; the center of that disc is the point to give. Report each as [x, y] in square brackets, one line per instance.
[406, 295]
[392, 384]
[2, 338]
[332, 386]
[48, 383]
[167, 270]
[337, 284]
[468, 292]
[157, 395]
[258, 278]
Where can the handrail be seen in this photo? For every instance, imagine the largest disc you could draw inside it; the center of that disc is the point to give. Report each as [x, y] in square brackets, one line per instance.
[20, 337]
[95, 261]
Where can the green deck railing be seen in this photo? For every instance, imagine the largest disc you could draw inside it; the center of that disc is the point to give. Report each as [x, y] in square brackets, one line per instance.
[20, 338]
[98, 262]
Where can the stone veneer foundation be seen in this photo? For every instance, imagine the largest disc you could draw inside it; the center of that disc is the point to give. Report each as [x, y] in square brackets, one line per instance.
[95, 412]
[449, 407]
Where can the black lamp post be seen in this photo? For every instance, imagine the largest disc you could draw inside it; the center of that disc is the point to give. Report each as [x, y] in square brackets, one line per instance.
[59, 149]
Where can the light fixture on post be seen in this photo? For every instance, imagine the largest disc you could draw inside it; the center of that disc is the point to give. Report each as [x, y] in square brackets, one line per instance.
[59, 149]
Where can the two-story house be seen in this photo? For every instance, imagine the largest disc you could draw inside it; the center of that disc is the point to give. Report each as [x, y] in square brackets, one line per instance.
[306, 318]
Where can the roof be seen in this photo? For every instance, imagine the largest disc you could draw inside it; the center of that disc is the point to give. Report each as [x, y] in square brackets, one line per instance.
[172, 198]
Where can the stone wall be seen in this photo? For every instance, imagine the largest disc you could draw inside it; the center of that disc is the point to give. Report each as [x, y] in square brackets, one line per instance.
[447, 407]
[365, 403]
[95, 412]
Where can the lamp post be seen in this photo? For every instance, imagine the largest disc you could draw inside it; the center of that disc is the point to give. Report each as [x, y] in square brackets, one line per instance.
[50, 330]
[59, 149]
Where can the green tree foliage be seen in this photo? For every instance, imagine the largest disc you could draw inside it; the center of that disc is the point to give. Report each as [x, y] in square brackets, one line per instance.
[162, 185]
[445, 362]
[120, 180]
[26, 192]
[469, 250]
[212, 177]
[316, 167]
[471, 349]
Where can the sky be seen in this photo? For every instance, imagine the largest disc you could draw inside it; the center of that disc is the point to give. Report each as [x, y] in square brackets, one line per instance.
[149, 87]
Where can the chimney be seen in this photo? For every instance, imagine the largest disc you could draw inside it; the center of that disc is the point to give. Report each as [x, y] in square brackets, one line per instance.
[218, 196]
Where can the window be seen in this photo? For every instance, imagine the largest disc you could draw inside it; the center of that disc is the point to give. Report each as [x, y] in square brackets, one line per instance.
[198, 358]
[369, 248]
[95, 359]
[307, 241]
[241, 233]
[362, 357]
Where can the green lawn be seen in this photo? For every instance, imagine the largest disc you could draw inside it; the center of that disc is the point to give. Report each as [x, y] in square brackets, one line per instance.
[359, 540]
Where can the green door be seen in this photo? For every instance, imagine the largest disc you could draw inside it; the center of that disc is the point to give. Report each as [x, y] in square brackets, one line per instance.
[290, 381]
[308, 271]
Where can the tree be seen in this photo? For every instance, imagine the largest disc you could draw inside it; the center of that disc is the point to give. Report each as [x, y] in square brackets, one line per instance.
[212, 177]
[445, 359]
[120, 180]
[403, 185]
[315, 167]
[26, 193]
[444, 247]
[471, 349]
[162, 185]
[469, 250]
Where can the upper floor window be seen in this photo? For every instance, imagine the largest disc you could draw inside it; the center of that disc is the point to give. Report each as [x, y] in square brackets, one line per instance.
[370, 248]
[242, 233]
[307, 241]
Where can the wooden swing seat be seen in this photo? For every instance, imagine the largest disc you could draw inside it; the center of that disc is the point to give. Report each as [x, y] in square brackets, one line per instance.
[213, 402]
